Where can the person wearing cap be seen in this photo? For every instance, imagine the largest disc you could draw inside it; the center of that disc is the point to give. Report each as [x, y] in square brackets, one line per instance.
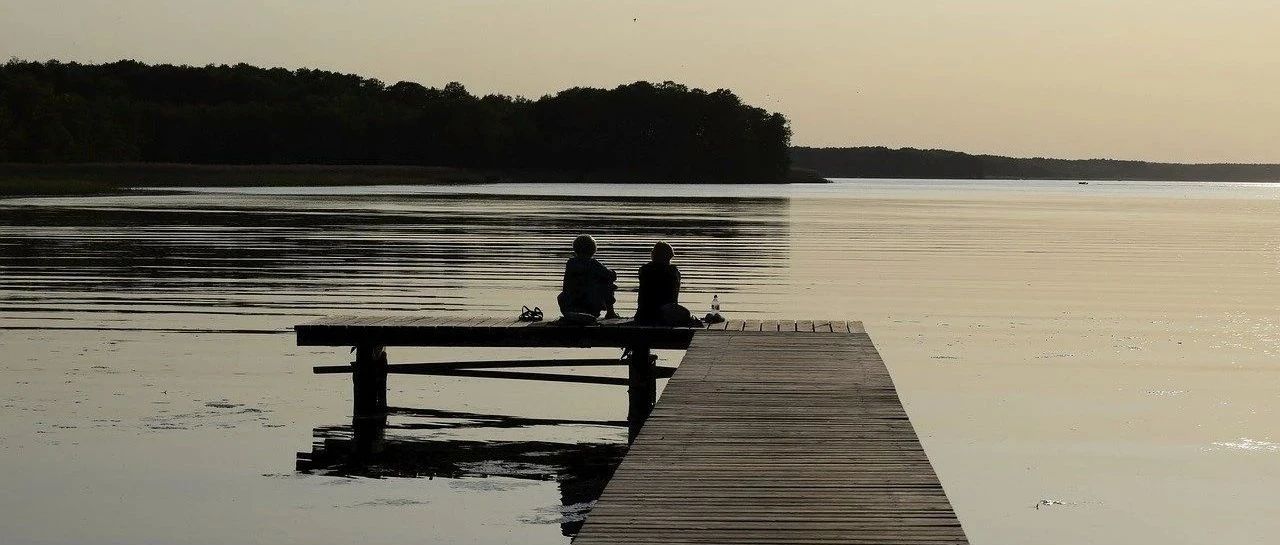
[588, 286]
[658, 300]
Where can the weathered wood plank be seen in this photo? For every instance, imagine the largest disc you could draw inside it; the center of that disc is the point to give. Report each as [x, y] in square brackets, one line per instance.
[482, 331]
[423, 321]
[340, 319]
[505, 331]
[771, 438]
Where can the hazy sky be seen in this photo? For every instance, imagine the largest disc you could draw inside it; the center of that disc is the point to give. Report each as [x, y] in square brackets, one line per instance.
[1160, 80]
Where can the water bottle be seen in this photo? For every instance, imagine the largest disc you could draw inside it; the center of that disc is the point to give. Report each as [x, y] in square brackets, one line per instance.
[715, 305]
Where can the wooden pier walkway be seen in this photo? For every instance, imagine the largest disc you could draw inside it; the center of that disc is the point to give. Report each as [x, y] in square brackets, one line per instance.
[768, 432]
[773, 438]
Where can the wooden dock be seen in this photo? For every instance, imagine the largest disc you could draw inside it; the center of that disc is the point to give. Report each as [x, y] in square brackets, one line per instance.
[772, 438]
[768, 432]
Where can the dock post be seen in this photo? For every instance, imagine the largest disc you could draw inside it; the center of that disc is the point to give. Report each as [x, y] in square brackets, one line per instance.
[642, 389]
[369, 381]
[369, 434]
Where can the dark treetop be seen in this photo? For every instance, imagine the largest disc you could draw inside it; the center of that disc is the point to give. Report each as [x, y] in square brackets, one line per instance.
[128, 111]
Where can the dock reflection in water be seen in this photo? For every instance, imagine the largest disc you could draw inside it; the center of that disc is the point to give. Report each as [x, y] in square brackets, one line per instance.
[395, 446]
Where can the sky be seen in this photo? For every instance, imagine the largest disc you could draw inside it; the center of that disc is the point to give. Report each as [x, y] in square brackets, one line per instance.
[1170, 80]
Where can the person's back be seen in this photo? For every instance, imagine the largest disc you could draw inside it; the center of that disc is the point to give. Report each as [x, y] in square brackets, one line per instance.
[588, 285]
[659, 285]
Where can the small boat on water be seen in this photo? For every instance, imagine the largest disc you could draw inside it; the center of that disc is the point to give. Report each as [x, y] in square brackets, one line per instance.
[1082, 183]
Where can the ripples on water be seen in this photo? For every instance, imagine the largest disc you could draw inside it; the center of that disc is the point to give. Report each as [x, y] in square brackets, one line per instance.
[148, 264]
[147, 261]
[1088, 337]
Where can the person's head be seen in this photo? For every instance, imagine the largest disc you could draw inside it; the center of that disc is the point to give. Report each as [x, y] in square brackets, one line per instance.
[662, 253]
[584, 246]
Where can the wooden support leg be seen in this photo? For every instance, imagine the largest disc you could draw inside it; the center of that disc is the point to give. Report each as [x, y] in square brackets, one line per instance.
[369, 381]
[642, 389]
[369, 437]
[381, 388]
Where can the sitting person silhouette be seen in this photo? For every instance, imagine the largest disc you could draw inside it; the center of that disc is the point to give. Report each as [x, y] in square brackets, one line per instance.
[658, 302]
[588, 285]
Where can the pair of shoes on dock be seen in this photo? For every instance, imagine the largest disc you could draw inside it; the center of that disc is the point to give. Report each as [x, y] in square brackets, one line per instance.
[530, 314]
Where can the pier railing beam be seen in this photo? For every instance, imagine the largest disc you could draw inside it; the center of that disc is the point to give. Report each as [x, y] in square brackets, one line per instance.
[642, 389]
[369, 381]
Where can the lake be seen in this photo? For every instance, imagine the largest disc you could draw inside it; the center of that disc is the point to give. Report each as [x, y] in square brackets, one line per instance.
[1084, 363]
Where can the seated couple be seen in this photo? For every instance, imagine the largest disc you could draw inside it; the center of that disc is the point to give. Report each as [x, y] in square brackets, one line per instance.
[589, 286]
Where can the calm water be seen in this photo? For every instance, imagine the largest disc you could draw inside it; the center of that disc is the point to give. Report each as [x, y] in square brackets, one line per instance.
[1086, 364]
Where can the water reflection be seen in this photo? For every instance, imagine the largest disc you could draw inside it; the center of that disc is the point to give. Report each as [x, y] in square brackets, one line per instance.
[393, 446]
[268, 259]
[1077, 300]
[148, 266]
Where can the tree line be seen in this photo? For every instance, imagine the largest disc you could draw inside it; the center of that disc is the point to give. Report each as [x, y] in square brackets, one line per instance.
[127, 111]
[881, 162]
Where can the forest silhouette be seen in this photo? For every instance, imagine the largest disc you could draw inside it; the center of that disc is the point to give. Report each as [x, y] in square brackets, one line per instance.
[99, 124]
[127, 111]
[882, 162]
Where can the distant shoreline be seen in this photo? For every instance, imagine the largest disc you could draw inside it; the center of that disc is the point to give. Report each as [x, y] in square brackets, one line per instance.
[882, 162]
[34, 179]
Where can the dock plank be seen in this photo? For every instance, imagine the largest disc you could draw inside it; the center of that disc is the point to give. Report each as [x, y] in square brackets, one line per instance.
[776, 438]
[487, 331]
[436, 321]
